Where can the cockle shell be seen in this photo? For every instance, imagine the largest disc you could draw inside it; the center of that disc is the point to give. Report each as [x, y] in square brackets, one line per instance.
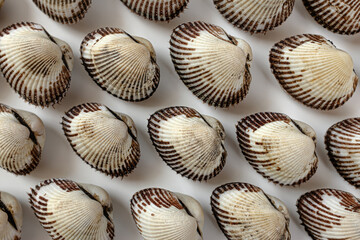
[313, 71]
[71, 211]
[104, 139]
[64, 11]
[244, 211]
[212, 64]
[162, 215]
[190, 143]
[22, 139]
[330, 214]
[11, 217]
[279, 148]
[121, 64]
[35, 64]
[157, 10]
[257, 16]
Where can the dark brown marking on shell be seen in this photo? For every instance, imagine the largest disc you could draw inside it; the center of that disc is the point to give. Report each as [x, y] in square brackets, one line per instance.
[6, 210]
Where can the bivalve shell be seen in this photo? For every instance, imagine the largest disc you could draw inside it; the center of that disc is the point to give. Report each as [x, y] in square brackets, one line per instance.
[11, 217]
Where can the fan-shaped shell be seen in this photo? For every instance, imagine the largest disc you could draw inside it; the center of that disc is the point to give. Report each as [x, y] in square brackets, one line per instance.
[257, 16]
[190, 143]
[71, 211]
[313, 71]
[64, 11]
[22, 139]
[212, 64]
[330, 214]
[244, 211]
[11, 217]
[123, 65]
[104, 139]
[162, 215]
[279, 148]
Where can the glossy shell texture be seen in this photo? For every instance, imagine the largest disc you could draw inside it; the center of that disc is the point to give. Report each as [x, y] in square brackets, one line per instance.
[11, 217]
[123, 65]
[22, 139]
[244, 211]
[35, 64]
[190, 143]
[162, 215]
[330, 214]
[279, 148]
[71, 211]
[313, 71]
[104, 139]
[212, 64]
[257, 16]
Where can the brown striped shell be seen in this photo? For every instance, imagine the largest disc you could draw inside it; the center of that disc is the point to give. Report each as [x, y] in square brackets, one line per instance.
[35, 64]
[212, 64]
[22, 139]
[330, 214]
[257, 16]
[104, 139]
[279, 148]
[190, 143]
[244, 211]
[163, 215]
[313, 71]
[123, 65]
[72, 211]
[11, 217]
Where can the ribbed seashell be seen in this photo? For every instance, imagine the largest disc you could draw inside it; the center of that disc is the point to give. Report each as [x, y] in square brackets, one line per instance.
[255, 16]
[104, 139]
[71, 211]
[157, 10]
[22, 139]
[330, 214]
[279, 148]
[162, 215]
[244, 211]
[64, 11]
[11, 217]
[123, 65]
[313, 71]
[190, 143]
[35, 64]
[212, 64]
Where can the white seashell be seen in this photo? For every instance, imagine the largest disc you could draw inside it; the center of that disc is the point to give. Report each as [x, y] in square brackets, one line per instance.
[162, 215]
[212, 64]
[11, 217]
[190, 143]
[279, 148]
[244, 211]
[35, 64]
[330, 214]
[104, 139]
[71, 211]
[123, 65]
[313, 71]
[22, 139]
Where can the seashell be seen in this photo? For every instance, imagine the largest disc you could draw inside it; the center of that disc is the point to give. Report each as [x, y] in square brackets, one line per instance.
[104, 139]
[123, 65]
[279, 148]
[244, 211]
[162, 215]
[71, 211]
[64, 11]
[157, 10]
[11, 217]
[22, 139]
[330, 214]
[255, 16]
[313, 71]
[212, 64]
[190, 143]
[35, 64]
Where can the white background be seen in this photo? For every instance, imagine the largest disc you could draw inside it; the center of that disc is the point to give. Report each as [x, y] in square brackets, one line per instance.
[59, 160]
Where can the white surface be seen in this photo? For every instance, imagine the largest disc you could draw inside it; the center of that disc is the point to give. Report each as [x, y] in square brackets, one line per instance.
[59, 160]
